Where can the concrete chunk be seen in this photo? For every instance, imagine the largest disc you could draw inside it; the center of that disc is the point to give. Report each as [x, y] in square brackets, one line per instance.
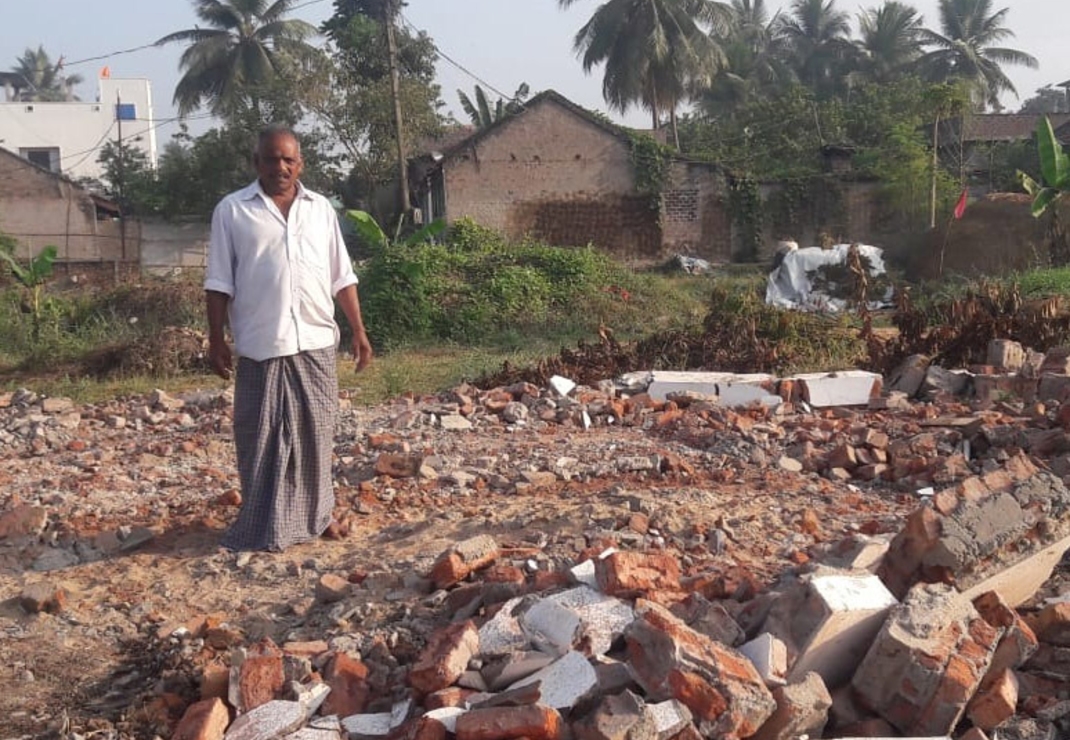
[670, 717]
[268, 721]
[802, 710]
[564, 682]
[769, 655]
[843, 388]
[836, 623]
[927, 662]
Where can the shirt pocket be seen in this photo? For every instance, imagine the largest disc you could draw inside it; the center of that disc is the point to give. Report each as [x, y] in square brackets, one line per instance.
[312, 254]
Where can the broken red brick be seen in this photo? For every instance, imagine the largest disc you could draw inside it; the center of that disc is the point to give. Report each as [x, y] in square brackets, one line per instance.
[445, 658]
[1052, 624]
[204, 720]
[534, 722]
[215, 681]
[455, 564]
[995, 704]
[633, 573]
[398, 466]
[261, 677]
[1018, 642]
[347, 678]
[671, 660]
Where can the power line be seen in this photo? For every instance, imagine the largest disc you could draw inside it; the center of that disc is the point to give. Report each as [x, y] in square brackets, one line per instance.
[155, 44]
[445, 57]
[89, 151]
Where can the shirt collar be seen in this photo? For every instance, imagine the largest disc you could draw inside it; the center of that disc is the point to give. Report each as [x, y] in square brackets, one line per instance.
[254, 189]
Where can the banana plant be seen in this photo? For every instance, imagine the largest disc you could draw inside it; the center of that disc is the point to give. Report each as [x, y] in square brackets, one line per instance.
[371, 232]
[34, 275]
[1054, 168]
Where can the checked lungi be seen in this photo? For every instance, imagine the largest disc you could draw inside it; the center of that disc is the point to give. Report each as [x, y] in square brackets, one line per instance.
[285, 410]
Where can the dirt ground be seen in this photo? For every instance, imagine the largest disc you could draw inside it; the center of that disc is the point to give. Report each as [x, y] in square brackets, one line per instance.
[128, 500]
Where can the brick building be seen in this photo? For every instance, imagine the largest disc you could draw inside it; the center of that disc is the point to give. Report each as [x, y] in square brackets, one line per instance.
[558, 172]
[39, 208]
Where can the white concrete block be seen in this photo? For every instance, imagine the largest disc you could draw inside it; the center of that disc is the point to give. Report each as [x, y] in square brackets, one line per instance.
[664, 382]
[562, 386]
[312, 733]
[846, 611]
[770, 656]
[551, 627]
[842, 388]
[743, 390]
[584, 573]
[447, 716]
[669, 717]
[367, 725]
[268, 721]
[565, 682]
[502, 633]
[603, 618]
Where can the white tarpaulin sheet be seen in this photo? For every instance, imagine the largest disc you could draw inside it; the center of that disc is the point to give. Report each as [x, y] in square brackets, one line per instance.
[791, 284]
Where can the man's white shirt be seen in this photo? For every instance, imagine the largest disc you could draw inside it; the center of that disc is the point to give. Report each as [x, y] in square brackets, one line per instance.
[281, 274]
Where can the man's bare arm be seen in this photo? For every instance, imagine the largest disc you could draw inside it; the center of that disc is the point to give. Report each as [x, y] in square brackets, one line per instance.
[219, 355]
[350, 302]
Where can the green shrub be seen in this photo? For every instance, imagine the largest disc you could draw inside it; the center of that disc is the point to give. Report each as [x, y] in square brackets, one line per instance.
[477, 285]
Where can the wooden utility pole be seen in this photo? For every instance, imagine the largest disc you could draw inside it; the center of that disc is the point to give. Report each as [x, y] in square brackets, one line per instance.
[122, 175]
[936, 164]
[389, 13]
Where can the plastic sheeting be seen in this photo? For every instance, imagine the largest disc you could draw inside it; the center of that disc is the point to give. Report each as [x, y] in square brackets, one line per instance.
[791, 284]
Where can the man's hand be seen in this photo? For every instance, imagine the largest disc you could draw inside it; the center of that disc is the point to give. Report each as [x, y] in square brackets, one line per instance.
[362, 350]
[220, 358]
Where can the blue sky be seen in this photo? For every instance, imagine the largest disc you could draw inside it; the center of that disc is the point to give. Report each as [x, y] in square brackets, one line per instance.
[502, 42]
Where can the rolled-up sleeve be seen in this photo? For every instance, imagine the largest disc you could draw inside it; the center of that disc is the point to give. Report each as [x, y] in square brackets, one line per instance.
[219, 275]
[342, 275]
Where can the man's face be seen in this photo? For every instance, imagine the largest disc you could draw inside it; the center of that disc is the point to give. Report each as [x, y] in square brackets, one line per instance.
[278, 164]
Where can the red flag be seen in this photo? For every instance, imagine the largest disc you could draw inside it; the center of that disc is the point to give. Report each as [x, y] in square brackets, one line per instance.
[960, 207]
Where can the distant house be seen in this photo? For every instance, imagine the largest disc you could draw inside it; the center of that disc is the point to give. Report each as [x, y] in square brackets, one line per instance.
[1062, 133]
[563, 174]
[66, 136]
[39, 207]
[976, 134]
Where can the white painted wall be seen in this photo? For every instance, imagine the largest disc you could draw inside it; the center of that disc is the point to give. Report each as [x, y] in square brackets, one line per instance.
[78, 128]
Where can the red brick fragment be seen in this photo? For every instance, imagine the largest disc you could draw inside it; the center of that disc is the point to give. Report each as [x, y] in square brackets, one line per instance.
[204, 720]
[347, 678]
[445, 658]
[535, 722]
[633, 573]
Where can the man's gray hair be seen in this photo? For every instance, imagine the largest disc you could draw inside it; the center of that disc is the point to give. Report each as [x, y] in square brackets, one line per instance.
[274, 130]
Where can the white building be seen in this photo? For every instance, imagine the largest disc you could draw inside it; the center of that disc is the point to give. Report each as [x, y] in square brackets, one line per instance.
[67, 137]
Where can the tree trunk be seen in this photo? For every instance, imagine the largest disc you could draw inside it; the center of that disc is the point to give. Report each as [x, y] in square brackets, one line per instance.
[675, 131]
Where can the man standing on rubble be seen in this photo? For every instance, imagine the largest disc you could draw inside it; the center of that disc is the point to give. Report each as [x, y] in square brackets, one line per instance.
[276, 264]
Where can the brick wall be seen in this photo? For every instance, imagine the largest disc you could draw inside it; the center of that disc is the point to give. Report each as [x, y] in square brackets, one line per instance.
[39, 210]
[694, 217]
[556, 176]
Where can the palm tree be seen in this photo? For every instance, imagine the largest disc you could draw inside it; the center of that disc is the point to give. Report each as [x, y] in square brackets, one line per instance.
[754, 59]
[247, 45]
[654, 51]
[964, 49]
[481, 112]
[816, 34]
[44, 80]
[890, 41]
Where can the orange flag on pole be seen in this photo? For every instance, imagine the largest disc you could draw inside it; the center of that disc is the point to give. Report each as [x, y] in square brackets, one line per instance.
[960, 207]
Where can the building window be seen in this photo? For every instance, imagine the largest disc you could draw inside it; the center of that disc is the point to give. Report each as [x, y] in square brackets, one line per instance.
[126, 112]
[29, 109]
[44, 157]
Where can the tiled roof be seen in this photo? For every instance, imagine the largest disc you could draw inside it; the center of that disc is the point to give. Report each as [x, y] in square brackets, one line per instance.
[1004, 126]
